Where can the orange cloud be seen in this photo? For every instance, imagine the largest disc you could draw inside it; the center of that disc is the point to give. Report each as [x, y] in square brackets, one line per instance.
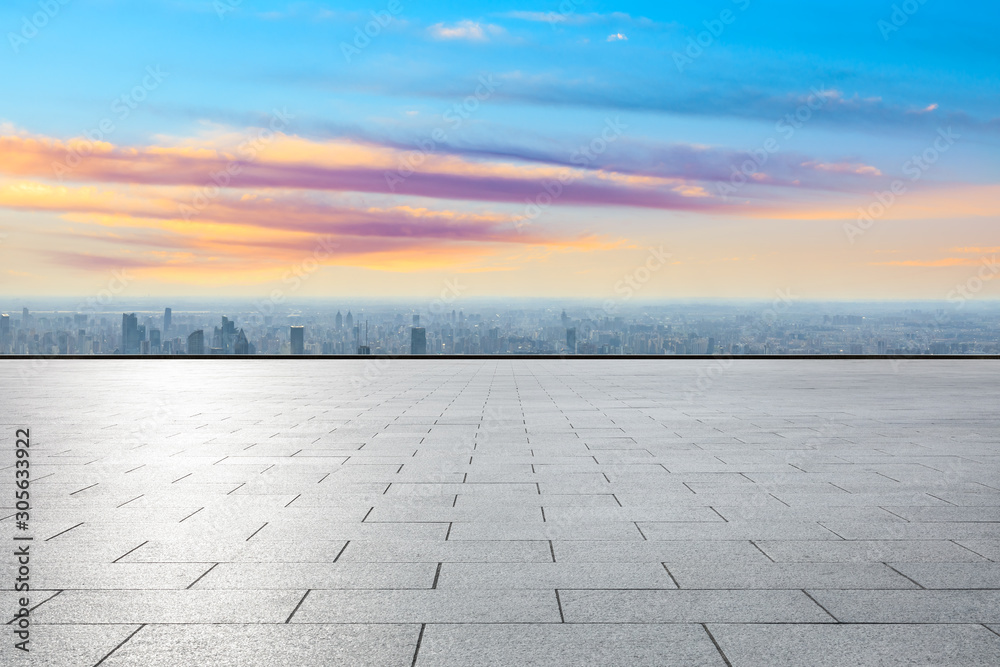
[977, 250]
[942, 202]
[935, 263]
[241, 208]
[287, 162]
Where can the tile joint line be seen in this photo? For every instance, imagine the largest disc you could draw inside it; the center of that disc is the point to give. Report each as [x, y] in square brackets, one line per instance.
[718, 648]
[124, 641]
[304, 596]
[420, 638]
[820, 606]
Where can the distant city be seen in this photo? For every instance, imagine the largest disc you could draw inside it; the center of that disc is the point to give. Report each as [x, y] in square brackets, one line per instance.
[779, 327]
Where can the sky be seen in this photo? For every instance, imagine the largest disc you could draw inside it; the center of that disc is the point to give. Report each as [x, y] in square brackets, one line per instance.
[394, 149]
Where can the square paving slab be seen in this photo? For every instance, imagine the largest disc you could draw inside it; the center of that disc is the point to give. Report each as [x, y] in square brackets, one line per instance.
[505, 512]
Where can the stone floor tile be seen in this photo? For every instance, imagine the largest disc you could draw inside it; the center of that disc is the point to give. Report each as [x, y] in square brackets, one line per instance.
[682, 606]
[567, 644]
[850, 645]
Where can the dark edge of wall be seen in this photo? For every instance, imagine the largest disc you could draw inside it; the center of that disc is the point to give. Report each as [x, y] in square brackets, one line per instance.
[617, 357]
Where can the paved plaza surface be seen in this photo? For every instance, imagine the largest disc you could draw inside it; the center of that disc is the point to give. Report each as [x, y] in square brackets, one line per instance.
[440, 512]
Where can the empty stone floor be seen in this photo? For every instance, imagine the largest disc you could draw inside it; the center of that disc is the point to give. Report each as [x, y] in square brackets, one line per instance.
[437, 512]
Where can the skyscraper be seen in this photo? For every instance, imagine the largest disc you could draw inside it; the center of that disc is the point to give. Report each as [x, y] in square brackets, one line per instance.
[6, 342]
[154, 341]
[340, 320]
[298, 339]
[350, 321]
[225, 337]
[166, 320]
[364, 349]
[418, 340]
[196, 342]
[571, 340]
[130, 334]
[242, 345]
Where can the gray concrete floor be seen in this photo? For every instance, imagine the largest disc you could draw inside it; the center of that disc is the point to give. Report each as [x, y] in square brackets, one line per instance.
[508, 512]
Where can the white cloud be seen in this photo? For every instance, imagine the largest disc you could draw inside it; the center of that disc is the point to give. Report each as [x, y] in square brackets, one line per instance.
[617, 37]
[541, 17]
[572, 18]
[471, 31]
[844, 168]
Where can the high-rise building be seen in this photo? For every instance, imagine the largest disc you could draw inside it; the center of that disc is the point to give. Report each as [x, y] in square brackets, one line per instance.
[25, 318]
[196, 342]
[4, 333]
[242, 345]
[130, 334]
[418, 340]
[167, 314]
[154, 341]
[298, 335]
[349, 321]
[571, 340]
[340, 320]
[364, 349]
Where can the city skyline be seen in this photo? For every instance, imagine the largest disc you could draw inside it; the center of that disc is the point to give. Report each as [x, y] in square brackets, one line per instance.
[726, 150]
[783, 326]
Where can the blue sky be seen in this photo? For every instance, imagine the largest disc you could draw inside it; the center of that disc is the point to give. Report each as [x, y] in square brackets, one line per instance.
[694, 87]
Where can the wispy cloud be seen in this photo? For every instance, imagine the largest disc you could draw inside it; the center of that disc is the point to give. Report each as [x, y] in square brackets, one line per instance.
[341, 166]
[844, 168]
[470, 31]
[635, 89]
[977, 250]
[577, 19]
[934, 263]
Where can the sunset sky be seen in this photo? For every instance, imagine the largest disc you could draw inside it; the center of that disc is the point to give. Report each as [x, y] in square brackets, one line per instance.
[841, 150]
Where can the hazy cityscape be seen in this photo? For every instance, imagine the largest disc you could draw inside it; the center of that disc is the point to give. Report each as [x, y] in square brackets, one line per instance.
[781, 327]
